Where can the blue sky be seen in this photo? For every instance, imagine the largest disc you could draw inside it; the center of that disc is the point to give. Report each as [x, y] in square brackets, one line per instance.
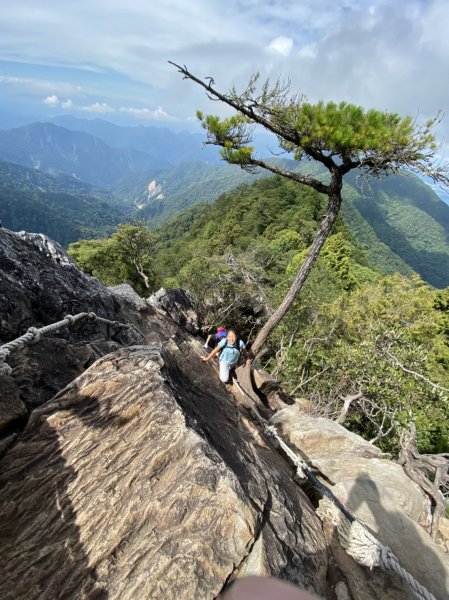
[108, 58]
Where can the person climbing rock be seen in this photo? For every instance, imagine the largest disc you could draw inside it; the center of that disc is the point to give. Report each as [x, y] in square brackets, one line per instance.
[230, 349]
[213, 339]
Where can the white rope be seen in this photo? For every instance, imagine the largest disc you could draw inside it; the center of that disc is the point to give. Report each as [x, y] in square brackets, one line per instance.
[355, 538]
[365, 549]
[33, 335]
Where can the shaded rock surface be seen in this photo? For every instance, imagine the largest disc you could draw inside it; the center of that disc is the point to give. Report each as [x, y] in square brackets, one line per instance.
[37, 290]
[380, 494]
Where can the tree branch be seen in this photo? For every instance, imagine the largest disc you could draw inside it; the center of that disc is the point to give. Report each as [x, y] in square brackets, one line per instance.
[310, 181]
[410, 460]
[346, 405]
[415, 374]
[249, 109]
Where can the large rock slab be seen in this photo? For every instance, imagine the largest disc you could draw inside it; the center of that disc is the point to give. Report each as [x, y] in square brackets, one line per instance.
[381, 495]
[136, 482]
[342, 455]
[39, 286]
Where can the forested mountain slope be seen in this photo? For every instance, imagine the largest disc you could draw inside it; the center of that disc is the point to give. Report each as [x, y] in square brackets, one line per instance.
[160, 194]
[62, 207]
[350, 329]
[401, 223]
[408, 217]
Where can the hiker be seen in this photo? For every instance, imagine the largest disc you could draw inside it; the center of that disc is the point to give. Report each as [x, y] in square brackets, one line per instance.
[230, 348]
[213, 339]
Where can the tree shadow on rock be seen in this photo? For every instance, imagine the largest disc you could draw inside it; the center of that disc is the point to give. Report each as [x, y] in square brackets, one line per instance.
[407, 540]
[42, 555]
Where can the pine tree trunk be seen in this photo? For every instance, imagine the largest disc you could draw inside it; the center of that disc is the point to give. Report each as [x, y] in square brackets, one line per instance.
[328, 220]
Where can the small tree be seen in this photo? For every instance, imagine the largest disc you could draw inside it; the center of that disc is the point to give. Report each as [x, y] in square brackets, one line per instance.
[126, 257]
[341, 137]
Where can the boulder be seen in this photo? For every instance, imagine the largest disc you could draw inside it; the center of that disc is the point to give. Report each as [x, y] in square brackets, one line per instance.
[380, 494]
[178, 305]
[136, 482]
[124, 290]
[37, 290]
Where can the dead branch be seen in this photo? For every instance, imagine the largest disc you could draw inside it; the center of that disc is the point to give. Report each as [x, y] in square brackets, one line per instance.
[416, 374]
[346, 406]
[418, 466]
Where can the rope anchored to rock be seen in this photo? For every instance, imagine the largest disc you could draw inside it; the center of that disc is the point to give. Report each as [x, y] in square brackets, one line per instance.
[355, 538]
[366, 550]
[33, 334]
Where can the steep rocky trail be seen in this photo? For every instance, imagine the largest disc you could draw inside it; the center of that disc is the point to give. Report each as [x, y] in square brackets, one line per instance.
[128, 471]
[141, 477]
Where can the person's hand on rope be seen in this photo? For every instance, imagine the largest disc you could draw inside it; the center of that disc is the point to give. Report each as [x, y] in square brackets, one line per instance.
[265, 588]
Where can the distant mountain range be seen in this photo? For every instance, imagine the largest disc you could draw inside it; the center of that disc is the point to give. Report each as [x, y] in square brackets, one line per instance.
[157, 142]
[82, 179]
[52, 149]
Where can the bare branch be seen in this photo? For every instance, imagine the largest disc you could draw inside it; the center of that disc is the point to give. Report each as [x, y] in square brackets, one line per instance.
[412, 461]
[346, 405]
[415, 374]
[310, 181]
[268, 109]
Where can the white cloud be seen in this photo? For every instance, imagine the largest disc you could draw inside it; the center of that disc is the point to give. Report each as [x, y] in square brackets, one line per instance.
[98, 107]
[381, 53]
[147, 113]
[104, 108]
[41, 86]
[51, 101]
[281, 44]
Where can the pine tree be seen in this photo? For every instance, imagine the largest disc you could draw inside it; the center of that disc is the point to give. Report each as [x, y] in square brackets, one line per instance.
[341, 137]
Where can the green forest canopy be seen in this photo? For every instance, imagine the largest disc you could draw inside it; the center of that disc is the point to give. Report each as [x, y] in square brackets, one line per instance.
[241, 252]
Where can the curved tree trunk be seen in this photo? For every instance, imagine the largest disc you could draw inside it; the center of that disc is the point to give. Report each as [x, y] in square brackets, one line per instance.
[142, 273]
[328, 220]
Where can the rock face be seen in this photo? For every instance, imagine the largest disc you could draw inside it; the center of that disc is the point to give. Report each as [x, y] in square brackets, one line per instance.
[135, 482]
[380, 494]
[48, 247]
[141, 478]
[128, 471]
[36, 289]
[178, 305]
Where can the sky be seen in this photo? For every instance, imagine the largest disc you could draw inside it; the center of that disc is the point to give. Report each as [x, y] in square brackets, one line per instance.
[109, 58]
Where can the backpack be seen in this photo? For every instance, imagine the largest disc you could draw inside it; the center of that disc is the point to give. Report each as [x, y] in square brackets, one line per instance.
[234, 346]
